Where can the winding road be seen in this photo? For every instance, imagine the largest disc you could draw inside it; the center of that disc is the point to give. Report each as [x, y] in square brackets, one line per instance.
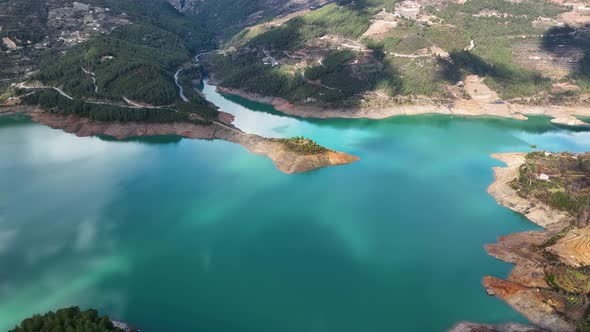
[180, 88]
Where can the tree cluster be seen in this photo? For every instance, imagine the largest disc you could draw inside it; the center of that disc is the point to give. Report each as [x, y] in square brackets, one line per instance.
[67, 320]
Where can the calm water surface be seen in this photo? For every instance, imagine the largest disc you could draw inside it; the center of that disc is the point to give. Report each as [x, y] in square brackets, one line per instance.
[184, 235]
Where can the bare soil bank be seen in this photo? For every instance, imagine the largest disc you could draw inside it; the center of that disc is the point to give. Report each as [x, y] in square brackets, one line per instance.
[527, 289]
[565, 115]
[285, 160]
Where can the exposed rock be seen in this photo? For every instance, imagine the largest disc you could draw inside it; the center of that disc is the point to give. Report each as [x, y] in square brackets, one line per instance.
[9, 43]
[511, 327]
[123, 326]
[580, 14]
[408, 9]
[540, 307]
[520, 249]
[477, 90]
[537, 212]
[527, 289]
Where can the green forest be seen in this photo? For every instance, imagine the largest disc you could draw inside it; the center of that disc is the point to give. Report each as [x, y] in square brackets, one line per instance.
[193, 32]
[67, 320]
[301, 145]
[54, 102]
[136, 62]
[119, 60]
[455, 26]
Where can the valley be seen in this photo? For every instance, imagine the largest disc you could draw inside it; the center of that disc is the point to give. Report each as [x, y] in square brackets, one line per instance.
[289, 80]
[97, 79]
[352, 58]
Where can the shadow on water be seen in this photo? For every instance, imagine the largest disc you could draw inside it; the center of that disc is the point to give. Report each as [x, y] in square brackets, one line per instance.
[12, 120]
[149, 140]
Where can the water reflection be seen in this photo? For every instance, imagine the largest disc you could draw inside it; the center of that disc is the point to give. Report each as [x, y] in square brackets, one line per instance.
[185, 234]
[54, 236]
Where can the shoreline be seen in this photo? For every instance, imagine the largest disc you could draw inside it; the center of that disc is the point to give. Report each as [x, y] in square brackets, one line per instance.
[286, 161]
[526, 289]
[9, 110]
[564, 115]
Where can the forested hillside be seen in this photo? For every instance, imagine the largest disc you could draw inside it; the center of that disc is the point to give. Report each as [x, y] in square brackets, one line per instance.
[123, 73]
[68, 319]
[224, 15]
[380, 52]
[118, 62]
[361, 54]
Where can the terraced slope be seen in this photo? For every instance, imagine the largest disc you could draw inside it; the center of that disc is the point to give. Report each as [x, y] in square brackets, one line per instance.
[574, 248]
[375, 54]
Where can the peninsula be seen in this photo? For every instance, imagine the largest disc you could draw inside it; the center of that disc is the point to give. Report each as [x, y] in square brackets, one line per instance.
[135, 76]
[550, 280]
[286, 158]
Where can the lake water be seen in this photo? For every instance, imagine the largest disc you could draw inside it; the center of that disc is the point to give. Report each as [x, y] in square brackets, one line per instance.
[172, 234]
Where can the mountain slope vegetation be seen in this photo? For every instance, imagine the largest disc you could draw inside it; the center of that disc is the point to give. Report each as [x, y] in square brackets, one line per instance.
[127, 72]
[360, 54]
[403, 51]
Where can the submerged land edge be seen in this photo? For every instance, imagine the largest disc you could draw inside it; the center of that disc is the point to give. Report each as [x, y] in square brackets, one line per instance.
[565, 115]
[285, 159]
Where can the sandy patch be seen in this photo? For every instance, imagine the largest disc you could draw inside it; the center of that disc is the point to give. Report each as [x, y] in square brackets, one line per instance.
[478, 90]
[379, 27]
[9, 43]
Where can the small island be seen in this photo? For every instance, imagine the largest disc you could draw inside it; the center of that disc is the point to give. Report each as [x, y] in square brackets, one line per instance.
[550, 281]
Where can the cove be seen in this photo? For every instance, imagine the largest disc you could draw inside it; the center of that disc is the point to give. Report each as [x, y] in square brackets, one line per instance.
[172, 234]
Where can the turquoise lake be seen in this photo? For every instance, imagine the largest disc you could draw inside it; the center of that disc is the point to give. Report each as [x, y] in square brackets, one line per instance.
[172, 234]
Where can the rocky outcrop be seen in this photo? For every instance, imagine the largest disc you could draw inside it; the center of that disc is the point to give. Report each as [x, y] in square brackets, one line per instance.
[527, 289]
[540, 306]
[512, 327]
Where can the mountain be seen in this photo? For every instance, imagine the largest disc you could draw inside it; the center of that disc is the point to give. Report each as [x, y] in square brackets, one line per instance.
[317, 53]
[96, 52]
[378, 53]
[225, 13]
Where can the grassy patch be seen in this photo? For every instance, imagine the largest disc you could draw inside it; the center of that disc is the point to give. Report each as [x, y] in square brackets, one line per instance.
[302, 145]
